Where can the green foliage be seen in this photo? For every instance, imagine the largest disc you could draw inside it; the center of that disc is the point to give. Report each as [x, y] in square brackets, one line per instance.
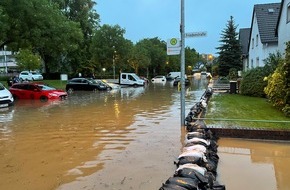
[278, 88]
[272, 61]
[253, 83]
[233, 74]
[109, 43]
[26, 60]
[230, 50]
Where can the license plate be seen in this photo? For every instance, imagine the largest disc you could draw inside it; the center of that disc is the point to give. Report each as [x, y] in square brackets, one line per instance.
[3, 105]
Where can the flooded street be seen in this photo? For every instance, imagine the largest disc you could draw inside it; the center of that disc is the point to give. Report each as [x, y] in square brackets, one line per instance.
[123, 139]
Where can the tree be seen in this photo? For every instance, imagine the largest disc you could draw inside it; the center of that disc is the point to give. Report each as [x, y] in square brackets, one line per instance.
[40, 26]
[81, 12]
[139, 58]
[108, 44]
[27, 60]
[156, 52]
[230, 50]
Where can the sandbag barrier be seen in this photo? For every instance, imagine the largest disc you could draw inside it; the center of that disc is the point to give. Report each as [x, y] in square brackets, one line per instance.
[197, 164]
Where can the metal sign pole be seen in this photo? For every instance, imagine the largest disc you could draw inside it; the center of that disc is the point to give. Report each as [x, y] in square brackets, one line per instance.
[182, 67]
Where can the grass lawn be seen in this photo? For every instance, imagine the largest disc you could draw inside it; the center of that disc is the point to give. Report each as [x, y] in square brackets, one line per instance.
[236, 110]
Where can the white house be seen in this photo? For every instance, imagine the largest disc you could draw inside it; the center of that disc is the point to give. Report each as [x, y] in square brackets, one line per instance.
[283, 25]
[262, 39]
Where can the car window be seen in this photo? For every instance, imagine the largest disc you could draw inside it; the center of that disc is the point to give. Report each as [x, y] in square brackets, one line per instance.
[45, 87]
[31, 87]
[76, 80]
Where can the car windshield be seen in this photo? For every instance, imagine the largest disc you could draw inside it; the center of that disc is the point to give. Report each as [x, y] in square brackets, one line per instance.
[2, 87]
[136, 77]
[45, 87]
[99, 82]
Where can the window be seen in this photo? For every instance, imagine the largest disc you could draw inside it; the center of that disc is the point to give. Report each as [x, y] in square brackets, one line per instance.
[252, 63]
[252, 43]
[288, 13]
[257, 62]
[257, 37]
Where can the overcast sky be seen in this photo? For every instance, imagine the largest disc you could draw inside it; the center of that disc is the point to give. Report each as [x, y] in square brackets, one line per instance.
[161, 18]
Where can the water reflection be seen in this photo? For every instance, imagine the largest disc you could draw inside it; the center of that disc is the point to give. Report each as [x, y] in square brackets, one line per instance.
[254, 164]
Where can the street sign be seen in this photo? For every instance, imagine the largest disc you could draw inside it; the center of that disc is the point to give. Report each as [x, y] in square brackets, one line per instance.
[173, 46]
[195, 34]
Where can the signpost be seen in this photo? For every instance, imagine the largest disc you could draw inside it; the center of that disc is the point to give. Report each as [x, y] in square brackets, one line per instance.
[176, 46]
[195, 34]
[173, 46]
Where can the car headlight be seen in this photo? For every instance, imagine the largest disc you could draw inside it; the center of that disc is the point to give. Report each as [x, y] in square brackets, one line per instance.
[52, 94]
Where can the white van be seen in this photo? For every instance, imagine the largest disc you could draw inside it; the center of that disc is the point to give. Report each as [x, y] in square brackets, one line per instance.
[131, 79]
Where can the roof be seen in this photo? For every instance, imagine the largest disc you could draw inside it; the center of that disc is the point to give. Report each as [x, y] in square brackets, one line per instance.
[244, 36]
[267, 17]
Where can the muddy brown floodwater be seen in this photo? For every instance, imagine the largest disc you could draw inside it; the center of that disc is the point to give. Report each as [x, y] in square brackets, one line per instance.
[123, 139]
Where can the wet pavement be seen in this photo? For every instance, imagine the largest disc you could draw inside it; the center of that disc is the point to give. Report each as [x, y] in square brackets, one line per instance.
[121, 139]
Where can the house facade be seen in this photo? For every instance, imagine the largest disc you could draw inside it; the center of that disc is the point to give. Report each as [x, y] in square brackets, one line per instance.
[244, 36]
[283, 26]
[262, 39]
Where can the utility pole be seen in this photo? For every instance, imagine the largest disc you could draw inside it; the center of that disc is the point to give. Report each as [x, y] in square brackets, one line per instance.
[182, 67]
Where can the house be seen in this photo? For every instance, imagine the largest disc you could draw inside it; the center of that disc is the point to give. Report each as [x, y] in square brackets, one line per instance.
[283, 25]
[7, 61]
[262, 39]
[244, 36]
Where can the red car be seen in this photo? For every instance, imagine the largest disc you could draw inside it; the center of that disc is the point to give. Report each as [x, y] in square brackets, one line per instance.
[36, 91]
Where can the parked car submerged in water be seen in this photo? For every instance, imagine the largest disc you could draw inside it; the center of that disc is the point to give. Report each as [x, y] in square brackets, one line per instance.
[84, 84]
[159, 78]
[6, 98]
[177, 80]
[36, 91]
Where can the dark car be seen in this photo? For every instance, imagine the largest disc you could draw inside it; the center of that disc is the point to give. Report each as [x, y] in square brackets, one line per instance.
[85, 84]
[36, 91]
[177, 80]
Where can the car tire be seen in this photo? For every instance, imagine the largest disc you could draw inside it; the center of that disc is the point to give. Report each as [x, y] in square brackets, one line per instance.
[70, 90]
[43, 99]
[15, 97]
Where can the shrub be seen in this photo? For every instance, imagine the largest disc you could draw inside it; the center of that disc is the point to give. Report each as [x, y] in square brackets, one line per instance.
[278, 87]
[253, 83]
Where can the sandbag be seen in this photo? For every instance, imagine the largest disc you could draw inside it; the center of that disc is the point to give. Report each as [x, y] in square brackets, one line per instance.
[171, 187]
[191, 135]
[196, 147]
[195, 167]
[188, 183]
[190, 160]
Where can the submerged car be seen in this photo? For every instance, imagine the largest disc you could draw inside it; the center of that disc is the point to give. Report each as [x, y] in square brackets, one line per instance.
[85, 84]
[159, 78]
[36, 91]
[6, 98]
[177, 80]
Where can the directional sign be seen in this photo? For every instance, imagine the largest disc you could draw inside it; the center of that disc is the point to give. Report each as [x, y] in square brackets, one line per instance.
[173, 46]
[195, 34]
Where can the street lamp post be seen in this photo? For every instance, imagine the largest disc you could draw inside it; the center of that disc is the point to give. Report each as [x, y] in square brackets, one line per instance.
[114, 57]
[182, 67]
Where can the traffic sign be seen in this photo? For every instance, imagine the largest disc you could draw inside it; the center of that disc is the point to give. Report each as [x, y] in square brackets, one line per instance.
[195, 34]
[173, 46]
